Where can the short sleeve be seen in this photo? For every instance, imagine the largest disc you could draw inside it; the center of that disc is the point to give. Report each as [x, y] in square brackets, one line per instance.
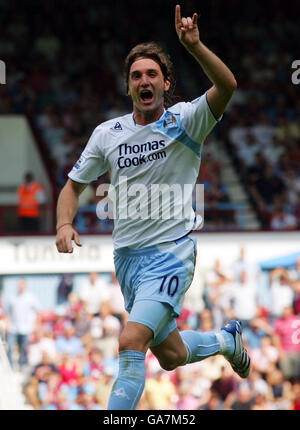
[198, 119]
[91, 163]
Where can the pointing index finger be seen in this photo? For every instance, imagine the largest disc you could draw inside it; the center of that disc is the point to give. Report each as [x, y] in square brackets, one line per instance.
[177, 15]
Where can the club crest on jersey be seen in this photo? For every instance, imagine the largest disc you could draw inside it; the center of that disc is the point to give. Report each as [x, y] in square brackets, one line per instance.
[117, 127]
[170, 121]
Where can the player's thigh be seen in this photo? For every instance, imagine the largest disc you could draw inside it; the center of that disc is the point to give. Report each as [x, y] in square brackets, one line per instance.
[171, 352]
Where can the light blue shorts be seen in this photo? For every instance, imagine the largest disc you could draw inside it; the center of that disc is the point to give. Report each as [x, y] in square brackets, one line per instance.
[157, 274]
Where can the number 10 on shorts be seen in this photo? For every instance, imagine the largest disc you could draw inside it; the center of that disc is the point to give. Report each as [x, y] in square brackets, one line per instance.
[171, 284]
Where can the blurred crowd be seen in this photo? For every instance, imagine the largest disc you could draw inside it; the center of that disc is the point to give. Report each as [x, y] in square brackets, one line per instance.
[68, 355]
[262, 126]
[66, 75]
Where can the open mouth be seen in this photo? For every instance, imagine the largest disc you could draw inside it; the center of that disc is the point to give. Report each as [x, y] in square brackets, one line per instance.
[146, 95]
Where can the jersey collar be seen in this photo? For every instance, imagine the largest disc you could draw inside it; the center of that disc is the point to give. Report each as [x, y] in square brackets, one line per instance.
[141, 126]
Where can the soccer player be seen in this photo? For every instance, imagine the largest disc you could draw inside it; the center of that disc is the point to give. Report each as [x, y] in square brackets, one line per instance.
[155, 258]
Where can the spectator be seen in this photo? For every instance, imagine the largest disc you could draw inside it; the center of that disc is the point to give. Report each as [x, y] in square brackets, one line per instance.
[264, 131]
[248, 151]
[87, 399]
[255, 174]
[273, 151]
[264, 356]
[186, 400]
[257, 384]
[116, 299]
[38, 381]
[64, 403]
[93, 293]
[268, 186]
[225, 384]
[205, 320]
[214, 403]
[282, 220]
[294, 277]
[94, 367]
[296, 396]
[69, 370]
[47, 44]
[59, 322]
[212, 367]
[44, 368]
[238, 132]
[82, 326]
[244, 299]
[160, 391]
[239, 265]
[110, 328]
[286, 339]
[69, 343]
[243, 401]
[22, 313]
[49, 397]
[216, 290]
[31, 197]
[3, 322]
[261, 403]
[31, 390]
[282, 294]
[287, 129]
[65, 287]
[280, 391]
[103, 389]
[255, 331]
[292, 183]
[41, 341]
[53, 135]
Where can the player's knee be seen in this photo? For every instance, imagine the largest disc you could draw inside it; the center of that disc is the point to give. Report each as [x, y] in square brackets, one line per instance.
[125, 343]
[173, 361]
[132, 342]
[135, 337]
[168, 365]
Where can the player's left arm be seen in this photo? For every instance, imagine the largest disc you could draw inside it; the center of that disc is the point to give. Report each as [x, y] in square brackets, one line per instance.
[224, 83]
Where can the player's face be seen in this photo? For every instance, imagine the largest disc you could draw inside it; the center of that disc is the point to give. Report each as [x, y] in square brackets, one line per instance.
[147, 85]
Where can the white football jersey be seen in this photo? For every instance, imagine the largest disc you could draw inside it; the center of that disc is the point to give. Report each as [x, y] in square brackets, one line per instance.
[149, 165]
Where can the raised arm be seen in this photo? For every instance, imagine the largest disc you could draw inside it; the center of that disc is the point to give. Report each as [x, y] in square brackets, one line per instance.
[224, 83]
[67, 206]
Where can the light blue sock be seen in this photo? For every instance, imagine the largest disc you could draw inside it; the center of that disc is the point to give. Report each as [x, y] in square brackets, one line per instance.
[129, 385]
[201, 345]
[227, 343]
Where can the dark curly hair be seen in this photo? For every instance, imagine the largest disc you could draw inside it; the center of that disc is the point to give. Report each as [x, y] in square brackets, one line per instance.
[156, 53]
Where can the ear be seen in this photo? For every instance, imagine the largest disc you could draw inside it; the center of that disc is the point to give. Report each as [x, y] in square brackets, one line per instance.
[167, 85]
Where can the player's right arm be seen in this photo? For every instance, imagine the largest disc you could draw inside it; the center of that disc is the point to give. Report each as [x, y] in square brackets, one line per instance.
[67, 206]
[224, 83]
